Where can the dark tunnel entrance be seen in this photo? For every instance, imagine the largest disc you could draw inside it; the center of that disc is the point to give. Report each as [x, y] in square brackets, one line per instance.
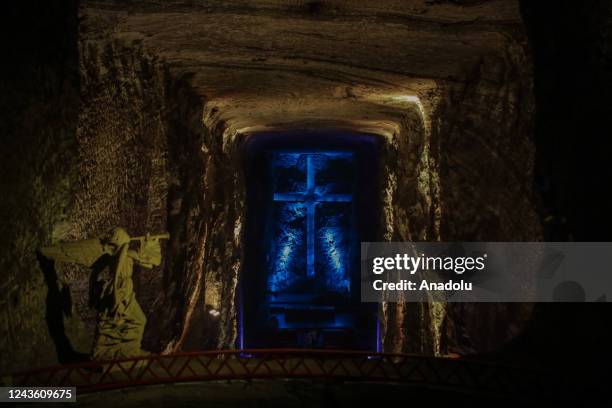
[312, 197]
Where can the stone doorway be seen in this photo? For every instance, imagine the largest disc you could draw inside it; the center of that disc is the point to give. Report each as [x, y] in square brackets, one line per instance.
[311, 199]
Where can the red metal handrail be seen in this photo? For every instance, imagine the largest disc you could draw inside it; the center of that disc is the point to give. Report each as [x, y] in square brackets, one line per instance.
[439, 372]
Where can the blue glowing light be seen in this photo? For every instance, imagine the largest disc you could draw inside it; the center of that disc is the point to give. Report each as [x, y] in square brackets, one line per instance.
[286, 246]
[313, 237]
[334, 254]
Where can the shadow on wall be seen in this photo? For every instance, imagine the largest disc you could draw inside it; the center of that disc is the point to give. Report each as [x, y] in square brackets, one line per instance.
[58, 305]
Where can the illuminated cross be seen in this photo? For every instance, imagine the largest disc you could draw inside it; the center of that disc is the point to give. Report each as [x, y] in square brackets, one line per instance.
[310, 198]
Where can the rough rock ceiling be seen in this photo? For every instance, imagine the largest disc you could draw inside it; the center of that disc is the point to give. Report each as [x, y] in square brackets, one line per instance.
[273, 64]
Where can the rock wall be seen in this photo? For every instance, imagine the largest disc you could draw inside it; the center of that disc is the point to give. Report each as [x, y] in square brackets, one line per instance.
[39, 85]
[102, 135]
[464, 173]
[140, 167]
[482, 130]
[212, 322]
[151, 160]
[157, 162]
[411, 213]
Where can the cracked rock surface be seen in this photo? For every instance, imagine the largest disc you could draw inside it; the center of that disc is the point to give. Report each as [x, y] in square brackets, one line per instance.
[158, 98]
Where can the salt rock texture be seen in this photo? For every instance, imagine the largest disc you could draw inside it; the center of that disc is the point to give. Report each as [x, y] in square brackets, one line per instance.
[157, 98]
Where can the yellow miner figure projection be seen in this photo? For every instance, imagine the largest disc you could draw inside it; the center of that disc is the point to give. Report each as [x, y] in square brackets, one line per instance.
[121, 321]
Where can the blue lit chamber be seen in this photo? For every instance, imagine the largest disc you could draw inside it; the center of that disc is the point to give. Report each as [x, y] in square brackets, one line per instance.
[313, 236]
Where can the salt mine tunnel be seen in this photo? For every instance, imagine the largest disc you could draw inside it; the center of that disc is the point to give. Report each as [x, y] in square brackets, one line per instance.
[269, 138]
